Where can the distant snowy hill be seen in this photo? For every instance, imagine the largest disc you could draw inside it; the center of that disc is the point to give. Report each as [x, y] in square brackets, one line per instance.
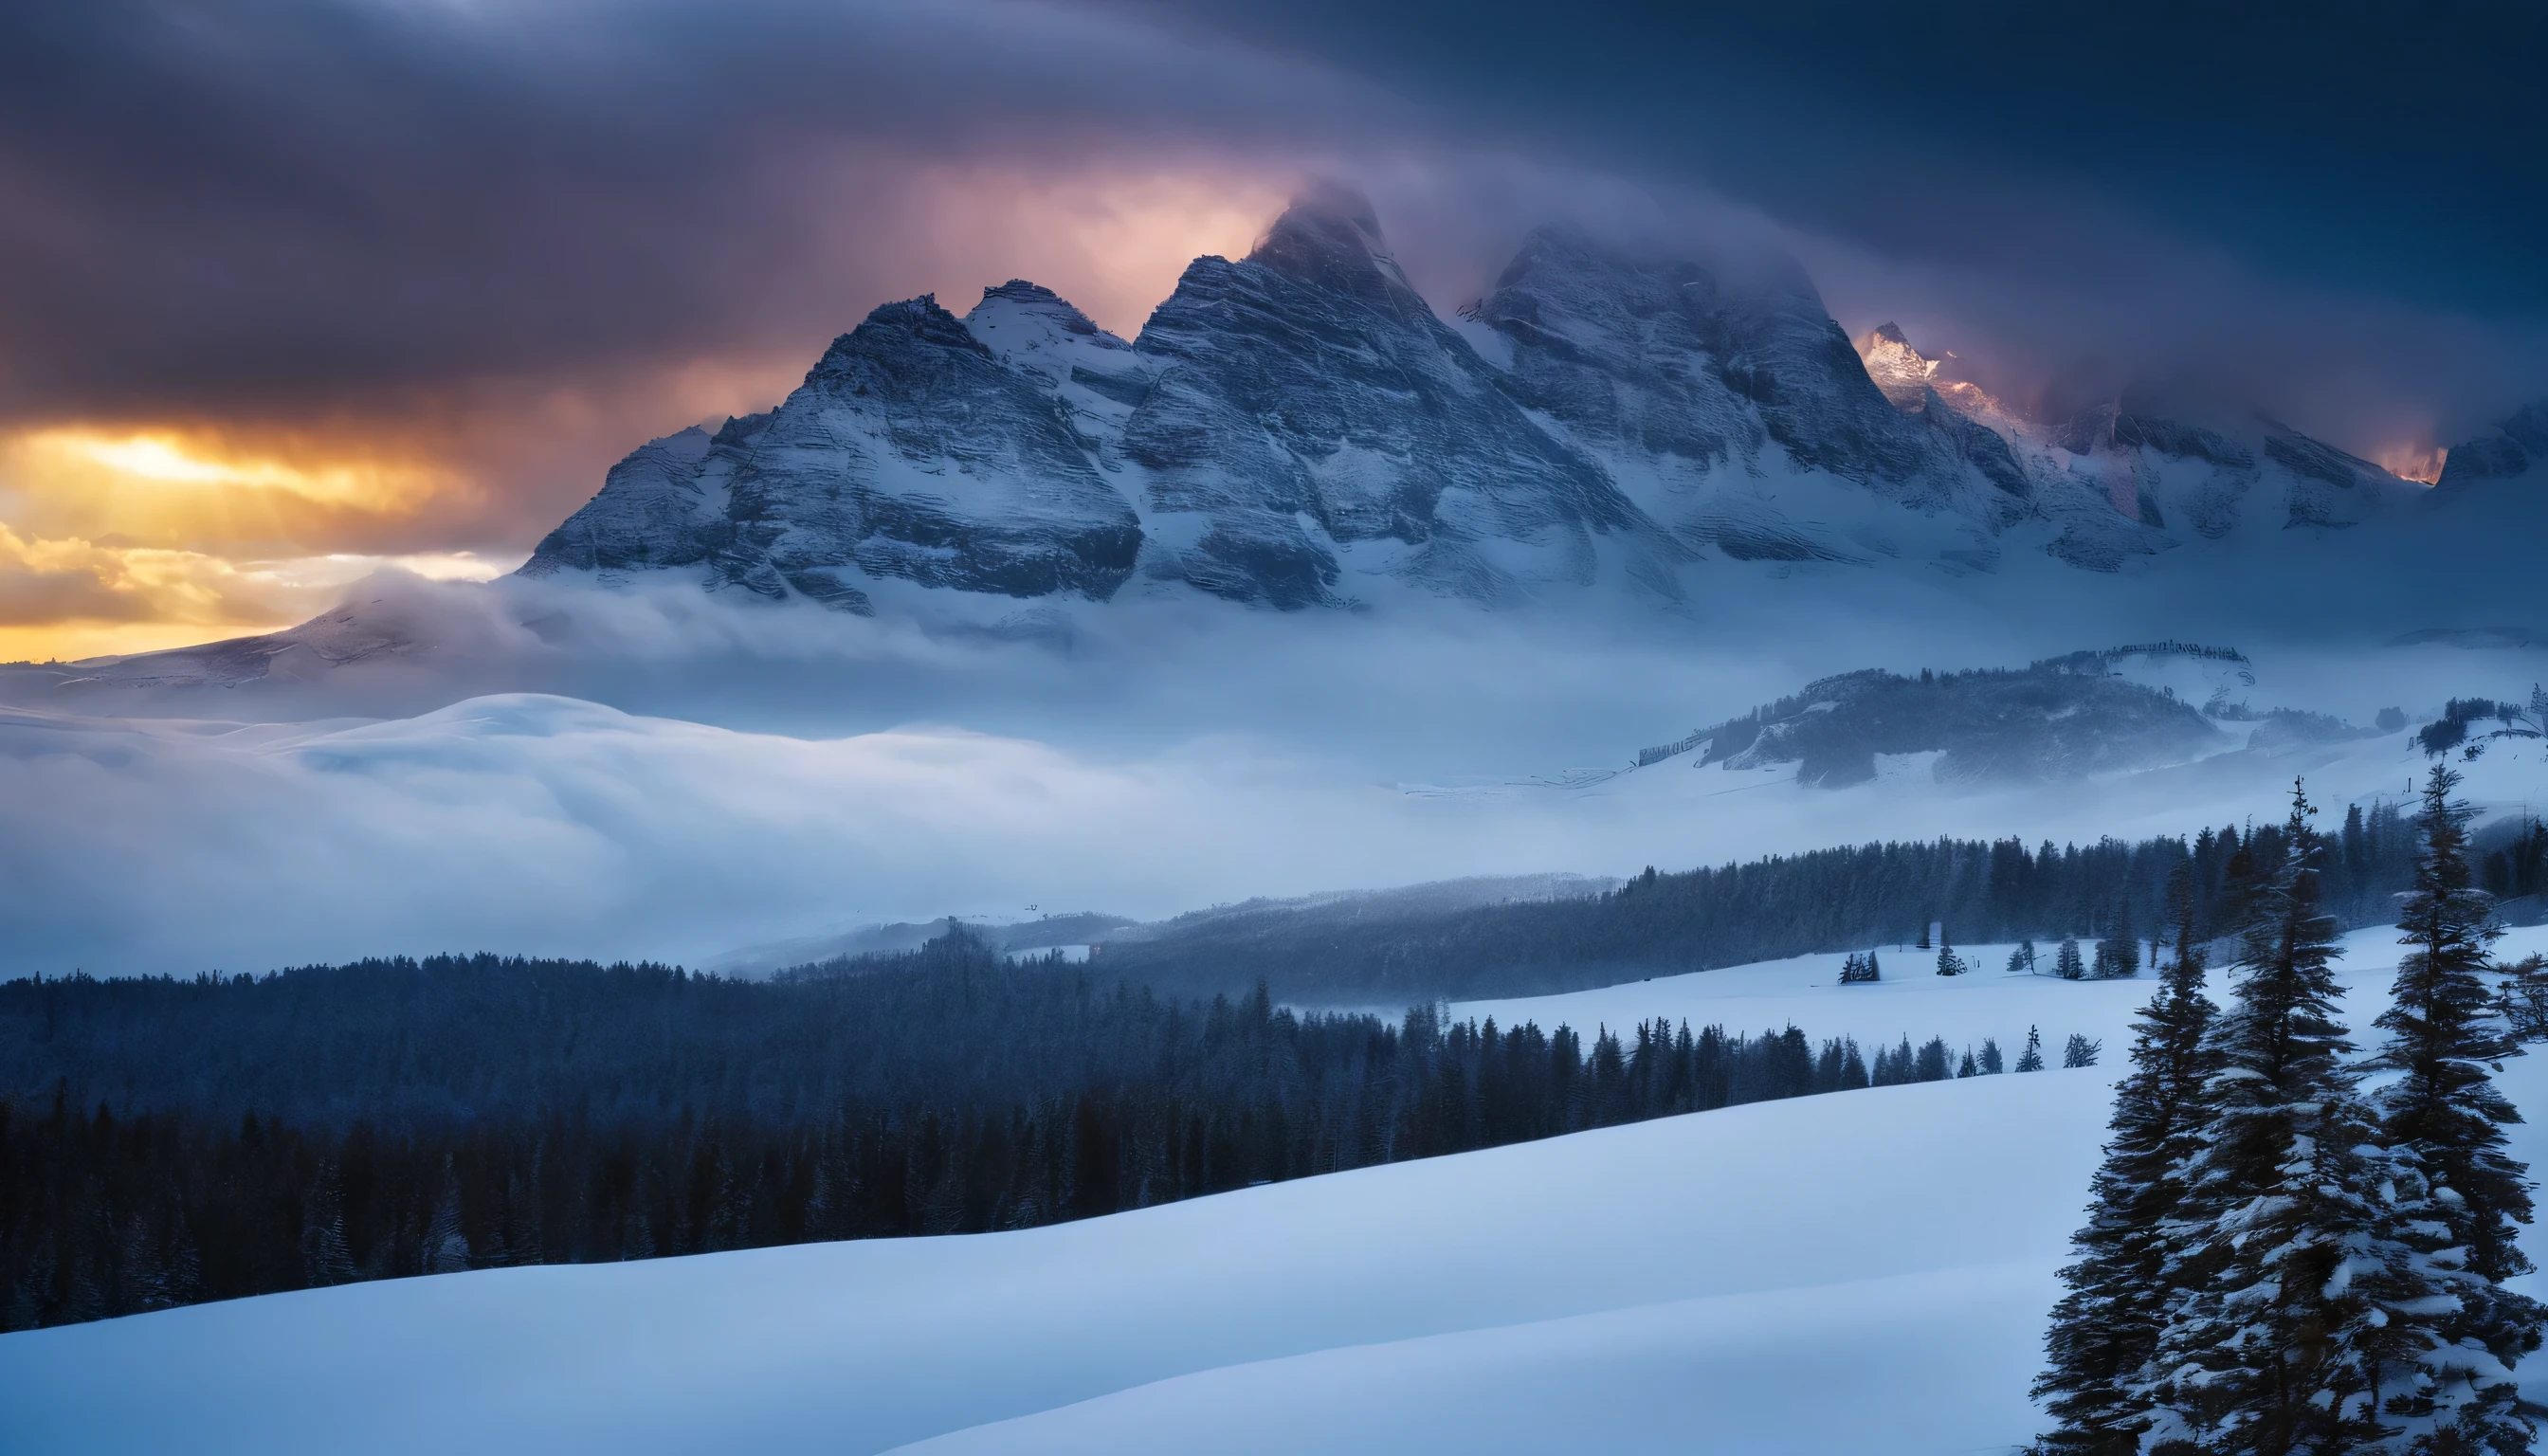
[1690, 1282]
[2059, 718]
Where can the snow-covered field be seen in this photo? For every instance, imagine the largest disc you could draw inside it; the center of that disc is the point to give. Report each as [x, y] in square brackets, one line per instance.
[1861, 1271]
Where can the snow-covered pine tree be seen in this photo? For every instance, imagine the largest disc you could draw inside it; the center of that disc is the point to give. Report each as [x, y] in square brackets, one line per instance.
[2288, 1282]
[1949, 962]
[2031, 1059]
[2106, 1329]
[1990, 1057]
[2067, 963]
[2081, 1050]
[2444, 1118]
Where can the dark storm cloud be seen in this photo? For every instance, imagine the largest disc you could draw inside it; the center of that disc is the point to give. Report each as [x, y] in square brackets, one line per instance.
[285, 206]
[223, 204]
[2394, 148]
[2346, 200]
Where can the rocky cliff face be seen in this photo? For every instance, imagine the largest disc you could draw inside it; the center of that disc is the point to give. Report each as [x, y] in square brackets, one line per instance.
[1297, 429]
[2513, 448]
[912, 450]
[1306, 399]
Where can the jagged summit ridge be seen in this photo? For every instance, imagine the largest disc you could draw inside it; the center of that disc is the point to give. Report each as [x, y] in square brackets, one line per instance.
[1305, 400]
[1298, 429]
[2116, 483]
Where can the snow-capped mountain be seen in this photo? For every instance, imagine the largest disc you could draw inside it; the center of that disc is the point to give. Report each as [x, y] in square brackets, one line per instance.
[1277, 414]
[1299, 427]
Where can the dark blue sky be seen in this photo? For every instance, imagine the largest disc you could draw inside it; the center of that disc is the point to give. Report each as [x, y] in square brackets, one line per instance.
[2397, 150]
[291, 208]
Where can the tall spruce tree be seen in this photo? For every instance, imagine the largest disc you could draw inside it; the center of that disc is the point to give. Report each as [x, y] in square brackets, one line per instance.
[2291, 1293]
[2119, 954]
[2443, 1118]
[2067, 963]
[2104, 1331]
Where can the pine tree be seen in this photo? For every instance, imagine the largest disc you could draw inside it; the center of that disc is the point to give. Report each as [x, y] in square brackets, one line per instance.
[325, 1258]
[2106, 1329]
[2290, 1286]
[445, 1249]
[1949, 962]
[2118, 954]
[2031, 1059]
[1990, 1057]
[2080, 1051]
[2444, 1118]
[2067, 963]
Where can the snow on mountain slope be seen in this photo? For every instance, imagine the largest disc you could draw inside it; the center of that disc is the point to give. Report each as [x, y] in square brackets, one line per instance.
[1308, 400]
[1678, 385]
[911, 451]
[2119, 483]
[1627, 1289]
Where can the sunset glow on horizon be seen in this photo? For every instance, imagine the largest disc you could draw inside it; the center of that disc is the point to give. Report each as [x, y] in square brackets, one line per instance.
[143, 536]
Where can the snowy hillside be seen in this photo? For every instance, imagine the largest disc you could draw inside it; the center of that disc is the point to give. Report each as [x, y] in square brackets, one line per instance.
[1624, 1288]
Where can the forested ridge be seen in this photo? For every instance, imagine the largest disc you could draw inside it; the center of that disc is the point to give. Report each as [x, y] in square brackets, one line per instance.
[1822, 901]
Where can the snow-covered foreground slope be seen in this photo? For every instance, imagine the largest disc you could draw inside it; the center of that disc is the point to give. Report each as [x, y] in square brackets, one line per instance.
[1906, 1211]
[1833, 1274]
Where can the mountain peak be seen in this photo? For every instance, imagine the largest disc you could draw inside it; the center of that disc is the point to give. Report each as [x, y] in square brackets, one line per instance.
[906, 321]
[1329, 238]
[1902, 372]
[1036, 298]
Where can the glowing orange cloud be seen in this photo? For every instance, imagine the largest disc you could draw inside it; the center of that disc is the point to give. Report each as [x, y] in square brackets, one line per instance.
[2414, 462]
[168, 470]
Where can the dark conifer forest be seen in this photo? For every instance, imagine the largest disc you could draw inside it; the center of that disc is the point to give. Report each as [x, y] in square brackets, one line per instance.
[220, 1137]
[171, 1140]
